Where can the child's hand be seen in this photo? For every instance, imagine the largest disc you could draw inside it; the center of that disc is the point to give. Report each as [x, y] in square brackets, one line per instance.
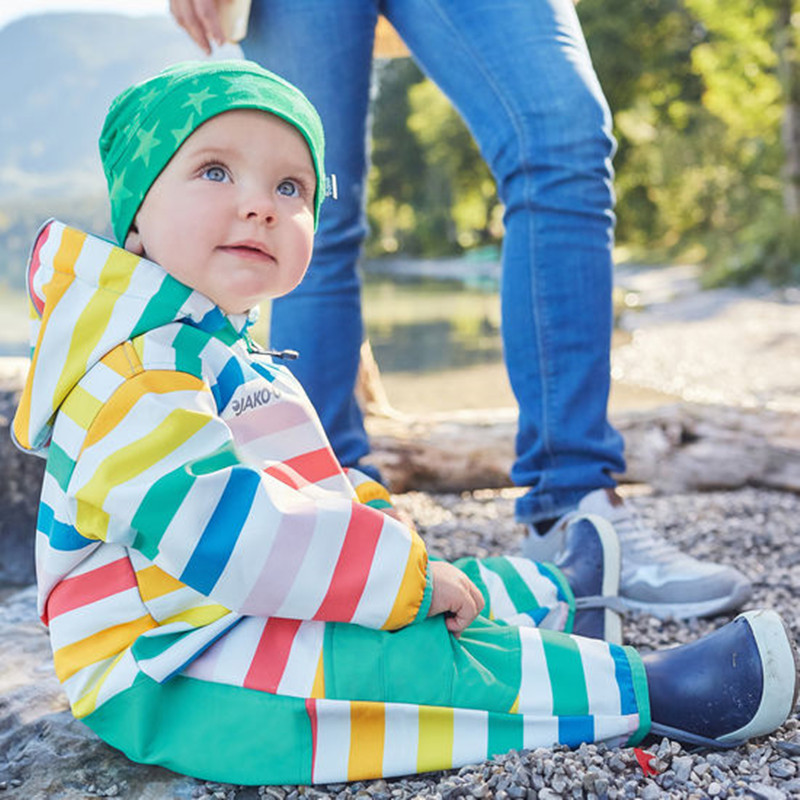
[455, 595]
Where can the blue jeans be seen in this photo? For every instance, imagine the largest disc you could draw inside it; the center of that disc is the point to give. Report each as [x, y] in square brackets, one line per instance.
[519, 73]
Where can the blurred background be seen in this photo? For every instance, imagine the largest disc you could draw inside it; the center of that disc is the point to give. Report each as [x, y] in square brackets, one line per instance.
[706, 103]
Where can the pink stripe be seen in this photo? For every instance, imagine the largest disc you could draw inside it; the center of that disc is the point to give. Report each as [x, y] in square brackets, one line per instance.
[266, 420]
[97, 584]
[272, 653]
[283, 563]
[353, 566]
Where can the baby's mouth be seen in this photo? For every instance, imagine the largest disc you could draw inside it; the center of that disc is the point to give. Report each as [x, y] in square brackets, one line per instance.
[250, 250]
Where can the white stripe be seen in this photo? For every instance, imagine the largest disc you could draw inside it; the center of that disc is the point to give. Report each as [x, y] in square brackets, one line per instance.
[301, 667]
[333, 741]
[543, 588]
[500, 603]
[535, 690]
[599, 672]
[101, 382]
[401, 739]
[470, 736]
[228, 659]
[80, 623]
[178, 543]
[539, 731]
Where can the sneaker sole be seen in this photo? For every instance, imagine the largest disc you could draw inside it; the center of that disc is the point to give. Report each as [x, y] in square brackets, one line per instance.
[779, 660]
[612, 563]
[706, 608]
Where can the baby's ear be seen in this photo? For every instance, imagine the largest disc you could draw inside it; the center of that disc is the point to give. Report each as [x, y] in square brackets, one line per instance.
[133, 241]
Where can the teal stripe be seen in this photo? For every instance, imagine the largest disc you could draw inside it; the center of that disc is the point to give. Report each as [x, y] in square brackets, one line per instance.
[188, 345]
[59, 465]
[639, 677]
[567, 679]
[519, 591]
[222, 458]
[159, 506]
[210, 731]
[163, 306]
[506, 732]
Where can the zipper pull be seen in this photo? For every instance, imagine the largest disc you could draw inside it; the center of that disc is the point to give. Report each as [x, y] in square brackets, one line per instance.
[254, 347]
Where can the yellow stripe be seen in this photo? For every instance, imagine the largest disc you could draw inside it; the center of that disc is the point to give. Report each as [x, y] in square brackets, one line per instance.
[88, 702]
[154, 582]
[126, 397]
[81, 407]
[435, 747]
[95, 318]
[64, 262]
[412, 588]
[372, 490]
[367, 732]
[129, 462]
[104, 644]
[514, 706]
[198, 617]
[123, 360]
[318, 689]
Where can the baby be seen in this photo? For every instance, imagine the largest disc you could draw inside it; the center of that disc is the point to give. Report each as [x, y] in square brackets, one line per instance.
[222, 597]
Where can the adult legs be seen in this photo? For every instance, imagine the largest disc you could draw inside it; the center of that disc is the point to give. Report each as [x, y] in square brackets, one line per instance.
[326, 50]
[520, 74]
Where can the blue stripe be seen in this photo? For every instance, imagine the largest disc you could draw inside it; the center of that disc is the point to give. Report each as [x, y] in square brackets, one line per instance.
[228, 380]
[574, 730]
[263, 370]
[550, 574]
[61, 535]
[622, 670]
[217, 541]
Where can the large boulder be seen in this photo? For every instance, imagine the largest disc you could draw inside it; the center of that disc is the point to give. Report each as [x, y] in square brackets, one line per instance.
[20, 484]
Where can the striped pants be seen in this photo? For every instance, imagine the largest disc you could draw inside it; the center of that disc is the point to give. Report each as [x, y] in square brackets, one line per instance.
[282, 701]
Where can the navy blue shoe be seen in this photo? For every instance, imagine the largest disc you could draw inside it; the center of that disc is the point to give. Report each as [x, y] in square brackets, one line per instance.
[738, 682]
[590, 561]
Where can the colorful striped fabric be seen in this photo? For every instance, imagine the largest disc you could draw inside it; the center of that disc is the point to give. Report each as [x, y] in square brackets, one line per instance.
[205, 562]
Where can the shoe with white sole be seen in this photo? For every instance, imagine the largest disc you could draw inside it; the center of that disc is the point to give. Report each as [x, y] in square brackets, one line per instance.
[656, 576]
[738, 682]
[590, 562]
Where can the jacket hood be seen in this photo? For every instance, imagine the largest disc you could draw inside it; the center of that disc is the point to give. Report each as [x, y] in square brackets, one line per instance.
[87, 296]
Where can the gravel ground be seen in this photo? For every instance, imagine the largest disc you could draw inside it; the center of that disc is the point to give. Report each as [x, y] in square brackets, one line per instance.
[754, 529]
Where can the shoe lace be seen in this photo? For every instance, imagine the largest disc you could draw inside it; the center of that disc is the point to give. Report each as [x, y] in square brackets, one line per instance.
[641, 542]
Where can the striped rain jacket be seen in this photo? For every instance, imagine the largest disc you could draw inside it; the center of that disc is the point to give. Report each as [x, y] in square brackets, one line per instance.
[219, 591]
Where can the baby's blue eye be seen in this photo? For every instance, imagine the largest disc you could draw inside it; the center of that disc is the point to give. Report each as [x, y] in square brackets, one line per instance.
[216, 174]
[289, 189]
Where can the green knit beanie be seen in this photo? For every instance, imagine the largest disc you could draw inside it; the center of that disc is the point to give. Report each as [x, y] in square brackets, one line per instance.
[148, 122]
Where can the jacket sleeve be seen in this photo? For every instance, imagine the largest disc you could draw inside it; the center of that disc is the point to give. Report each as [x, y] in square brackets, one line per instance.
[158, 472]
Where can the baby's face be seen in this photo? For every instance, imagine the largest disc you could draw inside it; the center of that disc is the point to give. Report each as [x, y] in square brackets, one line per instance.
[232, 213]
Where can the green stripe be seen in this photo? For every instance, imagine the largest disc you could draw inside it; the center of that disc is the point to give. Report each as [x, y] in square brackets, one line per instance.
[59, 465]
[642, 693]
[163, 306]
[210, 731]
[159, 506]
[567, 680]
[188, 345]
[506, 732]
[519, 591]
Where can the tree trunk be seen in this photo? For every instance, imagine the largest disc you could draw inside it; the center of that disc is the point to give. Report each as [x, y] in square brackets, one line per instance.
[786, 45]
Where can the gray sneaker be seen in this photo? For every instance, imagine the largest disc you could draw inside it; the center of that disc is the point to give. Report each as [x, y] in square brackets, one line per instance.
[656, 576]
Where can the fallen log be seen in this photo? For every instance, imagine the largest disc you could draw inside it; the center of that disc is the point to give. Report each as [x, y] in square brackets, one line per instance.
[674, 448]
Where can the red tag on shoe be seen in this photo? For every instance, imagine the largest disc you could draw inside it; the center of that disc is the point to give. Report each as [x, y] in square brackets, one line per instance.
[644, 758]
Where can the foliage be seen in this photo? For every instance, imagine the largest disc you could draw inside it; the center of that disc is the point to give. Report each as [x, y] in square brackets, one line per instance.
[699, 90]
